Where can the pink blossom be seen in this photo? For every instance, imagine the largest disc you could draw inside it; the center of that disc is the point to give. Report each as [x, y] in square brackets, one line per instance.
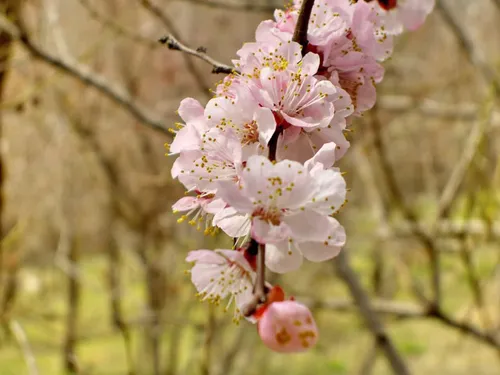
[219, 158]
[405, 14]
[250, 123]
[348, 37]
[301, 144]
[188, 137]
[287, 255]
[279, 79]
[284, 200]
[288, 327]
[220, 274]
[199, 208]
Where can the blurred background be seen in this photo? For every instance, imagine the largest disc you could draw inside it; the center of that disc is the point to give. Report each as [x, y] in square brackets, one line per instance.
[92, 271]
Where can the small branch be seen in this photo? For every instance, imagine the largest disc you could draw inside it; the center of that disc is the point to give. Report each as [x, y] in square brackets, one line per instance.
[467, 46]
[156, 11]
[396, 193]
[446, 228]
[115, 26]
[260, 283]
[465, 111]
[25, 346]
[465, 328]
[239, 7]
[372, 320]
[404, 311]
[300, 33]
[84, 75]
[259, 292]
[459, 173]
[200, 53]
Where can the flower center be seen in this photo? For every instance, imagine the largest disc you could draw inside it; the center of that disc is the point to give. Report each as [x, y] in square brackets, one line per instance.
[271, 216]
[250, 133]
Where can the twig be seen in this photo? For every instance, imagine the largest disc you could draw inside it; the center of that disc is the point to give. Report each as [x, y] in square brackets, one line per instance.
[428, 107]
[460, 171]
[200, 53]
[241, 7]
[473, 227]
[300, 32]
[115, 26]
[398, 310]
[467, 45]
[161, 16]
[25, 346]
[73, 303]
[395, 191]
[91, 79]
[372, 320]
[259, 294]
[405, 311]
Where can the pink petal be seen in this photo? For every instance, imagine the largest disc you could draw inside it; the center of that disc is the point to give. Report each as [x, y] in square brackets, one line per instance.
[190, 109]
[308, 225]
[186, 204]
[321, 251]
[283, 257]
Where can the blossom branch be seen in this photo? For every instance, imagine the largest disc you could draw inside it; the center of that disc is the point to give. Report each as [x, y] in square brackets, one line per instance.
[300, 36]
[156, 11]
[259, 292]
[200, 53]
[300, 33]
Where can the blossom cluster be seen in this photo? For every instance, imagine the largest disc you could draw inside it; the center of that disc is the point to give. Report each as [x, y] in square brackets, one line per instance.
[258, 160]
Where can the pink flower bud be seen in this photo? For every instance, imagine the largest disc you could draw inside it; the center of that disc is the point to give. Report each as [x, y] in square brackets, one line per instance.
[288, 327]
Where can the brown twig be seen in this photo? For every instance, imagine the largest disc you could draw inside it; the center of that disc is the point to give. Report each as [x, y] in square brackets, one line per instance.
[396, 193]
[167, 22]
[200, 53]
[22, 340]
[74, 293]
[400, 310]
[476, 135]
[115, 26]
[91, 79]
[467, 46]
[371, 319]
[300, 32]
[241, 7]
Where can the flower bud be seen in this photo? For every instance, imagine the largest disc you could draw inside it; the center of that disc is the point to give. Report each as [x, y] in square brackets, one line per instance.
[288, 327]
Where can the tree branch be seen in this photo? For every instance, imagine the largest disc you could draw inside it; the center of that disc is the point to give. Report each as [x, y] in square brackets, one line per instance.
[372, 320]
[84, 75]
[400, 310]
[163, 18]
[25, 346]
[467, 46]
[200, 53]
[300, 32]
[396, 193]
[115, 26]
[239, 7]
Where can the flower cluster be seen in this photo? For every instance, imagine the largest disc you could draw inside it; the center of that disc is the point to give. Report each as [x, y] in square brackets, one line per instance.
[258, 161]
